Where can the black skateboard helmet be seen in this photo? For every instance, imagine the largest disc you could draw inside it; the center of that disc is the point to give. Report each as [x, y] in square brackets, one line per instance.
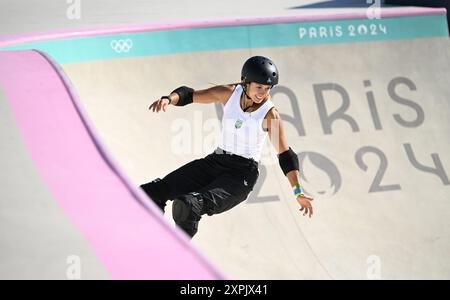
[261, 70]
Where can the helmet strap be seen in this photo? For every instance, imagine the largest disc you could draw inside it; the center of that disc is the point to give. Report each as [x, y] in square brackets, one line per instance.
[244, 86]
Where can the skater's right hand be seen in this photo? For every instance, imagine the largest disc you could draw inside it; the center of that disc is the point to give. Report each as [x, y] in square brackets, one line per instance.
[159, 104]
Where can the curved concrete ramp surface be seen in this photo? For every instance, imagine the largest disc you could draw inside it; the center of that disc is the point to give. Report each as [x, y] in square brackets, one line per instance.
[66, 209]
[365, 103]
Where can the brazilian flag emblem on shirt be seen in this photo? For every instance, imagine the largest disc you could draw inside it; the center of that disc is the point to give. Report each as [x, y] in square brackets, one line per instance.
[238, 124]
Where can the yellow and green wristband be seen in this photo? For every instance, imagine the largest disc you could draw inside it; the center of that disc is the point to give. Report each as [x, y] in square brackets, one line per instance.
[298, 191]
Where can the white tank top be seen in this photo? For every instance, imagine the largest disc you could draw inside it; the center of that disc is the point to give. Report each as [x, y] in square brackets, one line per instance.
[242, 132]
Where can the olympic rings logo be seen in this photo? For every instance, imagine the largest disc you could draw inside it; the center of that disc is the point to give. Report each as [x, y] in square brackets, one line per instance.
[121, 46]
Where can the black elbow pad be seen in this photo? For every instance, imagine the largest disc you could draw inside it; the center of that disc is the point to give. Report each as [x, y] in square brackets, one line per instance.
[288, 161]
[186, 95]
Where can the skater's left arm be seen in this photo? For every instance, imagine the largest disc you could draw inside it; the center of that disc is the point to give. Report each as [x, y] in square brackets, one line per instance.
[288, 159]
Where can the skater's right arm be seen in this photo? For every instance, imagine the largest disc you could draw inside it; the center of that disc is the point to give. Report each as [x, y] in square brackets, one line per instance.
[219, 94]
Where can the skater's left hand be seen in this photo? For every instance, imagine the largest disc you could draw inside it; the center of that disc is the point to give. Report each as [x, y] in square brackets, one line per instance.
[305, 202]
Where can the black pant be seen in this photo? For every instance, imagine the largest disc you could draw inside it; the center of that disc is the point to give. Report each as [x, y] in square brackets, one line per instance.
[220, 181]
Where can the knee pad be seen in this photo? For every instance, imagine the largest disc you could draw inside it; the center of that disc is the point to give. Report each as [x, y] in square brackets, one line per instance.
[187, 208]
[189, 227]
[158, 191]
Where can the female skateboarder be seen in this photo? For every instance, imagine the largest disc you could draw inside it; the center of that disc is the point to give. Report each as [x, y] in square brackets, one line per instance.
[224, 178]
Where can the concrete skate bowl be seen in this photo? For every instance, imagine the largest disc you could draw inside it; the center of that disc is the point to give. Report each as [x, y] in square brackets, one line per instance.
[365, 106]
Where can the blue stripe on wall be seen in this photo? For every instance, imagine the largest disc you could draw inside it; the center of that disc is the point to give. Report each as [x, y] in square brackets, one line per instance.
[240, 37]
